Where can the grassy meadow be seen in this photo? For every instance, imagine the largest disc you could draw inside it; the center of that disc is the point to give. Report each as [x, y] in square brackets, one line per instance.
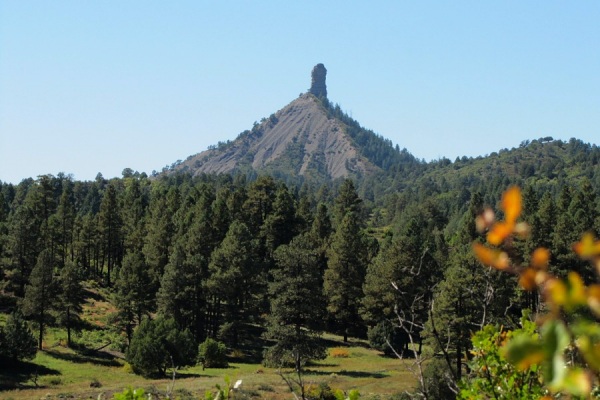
[84, 372]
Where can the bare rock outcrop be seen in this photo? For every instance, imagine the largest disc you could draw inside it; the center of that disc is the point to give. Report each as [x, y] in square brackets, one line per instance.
[318, 86]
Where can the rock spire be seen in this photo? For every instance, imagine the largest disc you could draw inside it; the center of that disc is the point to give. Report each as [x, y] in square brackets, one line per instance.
[318, 86]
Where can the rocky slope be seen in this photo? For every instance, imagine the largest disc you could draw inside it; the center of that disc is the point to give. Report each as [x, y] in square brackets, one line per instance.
[303, 138]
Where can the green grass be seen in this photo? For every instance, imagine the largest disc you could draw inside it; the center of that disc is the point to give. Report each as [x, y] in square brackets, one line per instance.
[65, 372]
[61, 372]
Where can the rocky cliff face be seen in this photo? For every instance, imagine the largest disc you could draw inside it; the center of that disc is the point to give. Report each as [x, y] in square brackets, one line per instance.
[318, 86]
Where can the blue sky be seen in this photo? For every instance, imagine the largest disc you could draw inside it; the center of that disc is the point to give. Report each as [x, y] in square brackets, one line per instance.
[88, 87]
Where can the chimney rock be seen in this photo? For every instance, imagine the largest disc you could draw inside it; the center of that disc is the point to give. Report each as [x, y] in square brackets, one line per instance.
[318, 86]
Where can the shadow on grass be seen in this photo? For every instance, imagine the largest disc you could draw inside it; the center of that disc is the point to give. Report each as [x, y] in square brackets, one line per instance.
[351, 374]
[22, 375]
[251, 346]
[186, 375]
[340, 343]
[81, 357]
[87, 293]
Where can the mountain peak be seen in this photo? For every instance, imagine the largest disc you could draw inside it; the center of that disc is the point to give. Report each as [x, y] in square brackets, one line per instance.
[318, 86]
[308, 137]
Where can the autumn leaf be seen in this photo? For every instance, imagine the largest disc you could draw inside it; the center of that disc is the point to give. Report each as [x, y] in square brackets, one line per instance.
[499, 232]
[540, 258]
[511, 204]
[588, 247]
[495, 258]
[527, 279]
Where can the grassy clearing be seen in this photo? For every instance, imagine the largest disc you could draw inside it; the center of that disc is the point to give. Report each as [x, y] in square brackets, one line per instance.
[65, 373]
[60, 372]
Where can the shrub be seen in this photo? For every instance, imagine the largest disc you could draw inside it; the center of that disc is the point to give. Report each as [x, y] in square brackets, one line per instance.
[437, 379]
[339, 353]
[130, 394]
[16, 340]
[382, 333]
[95, 383]
[157, 345]
[212, 354]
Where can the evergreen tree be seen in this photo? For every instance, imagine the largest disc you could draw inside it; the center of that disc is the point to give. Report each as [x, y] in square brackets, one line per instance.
[345, 273]
[232, 281]
[159, 344]
[297, 305]
[16, 340]
[181, 295]
[468, 296]
[259, 202]
[133, 215]
[24, 241]
[40, 294]
[160, 230]
[347, 201]
[71, 297]
[320, 234]
[133, 297]
[279, 226]
[110, 226]
[397, 289]
[65, 216]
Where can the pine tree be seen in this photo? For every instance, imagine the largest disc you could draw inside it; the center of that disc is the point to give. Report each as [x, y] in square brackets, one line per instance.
[297, 305]
[181, 295]
[160, 230]
[65, 216]
[110, 226]
[40, 293]
[71, 297]
[280, 225]
[133, 297]
[347, 201]
[24, 241]
[133, 215]
[468, 296]
[232, 281]
[345, 273]
[16, 340]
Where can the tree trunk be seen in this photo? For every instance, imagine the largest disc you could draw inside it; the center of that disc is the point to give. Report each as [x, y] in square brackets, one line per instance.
[68, 328]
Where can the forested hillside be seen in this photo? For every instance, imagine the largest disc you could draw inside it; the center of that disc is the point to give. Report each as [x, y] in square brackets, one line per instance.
[243, 260]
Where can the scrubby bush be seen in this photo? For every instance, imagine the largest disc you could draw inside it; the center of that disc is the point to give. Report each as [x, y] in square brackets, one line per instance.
[438, 379]
[212, 354]
[382, 333]
[16, 340]
[159, 344]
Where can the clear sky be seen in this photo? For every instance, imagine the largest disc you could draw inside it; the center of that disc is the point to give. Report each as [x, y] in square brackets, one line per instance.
[99, 86]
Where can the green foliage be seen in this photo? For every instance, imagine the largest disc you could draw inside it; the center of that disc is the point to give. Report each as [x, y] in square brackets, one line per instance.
[323, 391]
[345, 273]
[70, 298]
[384, 334]
[570, 326]
[212, 354]
[130, 394]
[491, 373]
[296, 306]
[224, 392]
[133, 297]
[438, 380]
[40, 293]
[16, 340]
[159, 344]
